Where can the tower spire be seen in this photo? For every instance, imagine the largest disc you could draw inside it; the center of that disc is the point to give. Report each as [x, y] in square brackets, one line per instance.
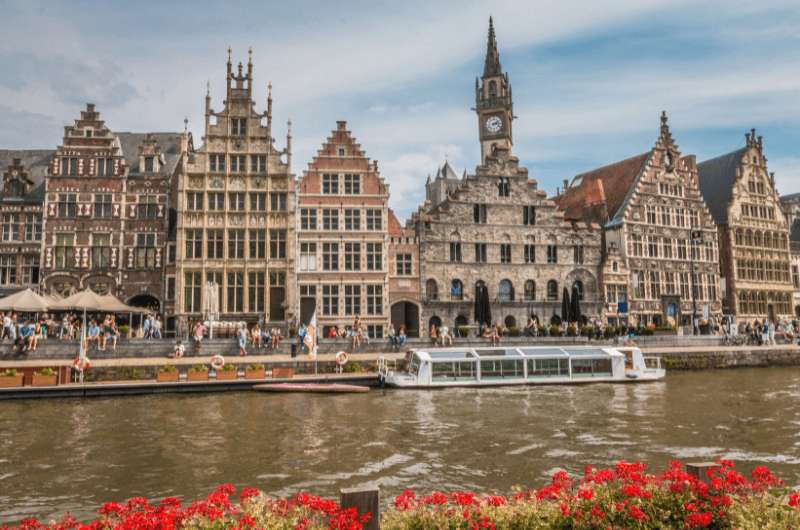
[492, 63]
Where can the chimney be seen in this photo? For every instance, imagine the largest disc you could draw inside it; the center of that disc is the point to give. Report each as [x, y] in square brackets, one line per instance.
[566, 185]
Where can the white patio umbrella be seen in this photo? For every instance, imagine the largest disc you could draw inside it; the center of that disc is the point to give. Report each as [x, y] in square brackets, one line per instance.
[25, 301]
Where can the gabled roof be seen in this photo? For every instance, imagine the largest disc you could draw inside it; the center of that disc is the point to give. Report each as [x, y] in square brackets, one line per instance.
[394, 228]
[717, 177]
[790, 197]
[794, 235]
[608, 186]
[35, 161]
[169, 143]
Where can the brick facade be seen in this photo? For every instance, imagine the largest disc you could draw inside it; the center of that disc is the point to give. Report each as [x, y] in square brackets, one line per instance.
[342, 234]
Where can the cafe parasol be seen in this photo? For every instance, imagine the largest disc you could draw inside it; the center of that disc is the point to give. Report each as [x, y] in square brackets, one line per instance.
[25, 301]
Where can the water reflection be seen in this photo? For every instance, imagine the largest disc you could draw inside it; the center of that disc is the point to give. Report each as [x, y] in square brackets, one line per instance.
[74, 454]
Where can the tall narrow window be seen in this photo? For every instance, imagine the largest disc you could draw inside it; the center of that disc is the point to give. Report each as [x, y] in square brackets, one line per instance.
[552, 254]
[258, 202]
[67, 205]
[374, 256]
[194, 243]
[192, 289]
[480, 252]
[101, 251]
[236, 201]
[352, 256]
[330, 219]
[235, 302]
[330, 184]
[479, 213]
[258, 243]
[455, 252]
[352, 219]
[145, 251]
[530, 253]
[277, 201]
[147, 208]
[64, 250]
[330, 300]
[352, 299]
[308, 219]
[374, 219]
[277, 244]
[529, 215]
[215, 244]
[503, 187]
[330, 256]
[505, 253]
[308, 256]
[577, 254]
[352, 184]
[255, 292]
[235, 243]
[103, 205]
[238, 127]
[194, 201]
[374, 299]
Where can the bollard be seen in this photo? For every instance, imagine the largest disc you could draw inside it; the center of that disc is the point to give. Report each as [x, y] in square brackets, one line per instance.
[700, 470]
[365, 501]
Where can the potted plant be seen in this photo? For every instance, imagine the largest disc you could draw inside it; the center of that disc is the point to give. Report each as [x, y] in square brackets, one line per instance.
[198, 372]
[255, 371]
[10, 378]
[463, 331]
[167, 374]
[44, 377]
[227, 372]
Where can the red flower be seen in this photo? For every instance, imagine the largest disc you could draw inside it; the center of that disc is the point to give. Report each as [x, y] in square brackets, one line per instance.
[699, 520]
[586, 494]
[636, 513]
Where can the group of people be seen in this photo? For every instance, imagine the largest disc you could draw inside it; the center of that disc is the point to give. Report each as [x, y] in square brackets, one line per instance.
[152, 327]
[398, 338]
[256, 337]
[357, 333]
[25, 334]
[766, 332]
[103, 335]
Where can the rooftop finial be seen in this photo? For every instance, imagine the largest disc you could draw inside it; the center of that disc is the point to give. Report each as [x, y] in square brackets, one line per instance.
[185, 124]
[269, 90]
[250, 54]
[208, 88]
[492, 63]
[229, 54]
[664, 124]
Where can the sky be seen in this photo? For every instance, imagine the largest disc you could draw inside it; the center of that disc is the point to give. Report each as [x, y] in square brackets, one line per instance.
[589, 78]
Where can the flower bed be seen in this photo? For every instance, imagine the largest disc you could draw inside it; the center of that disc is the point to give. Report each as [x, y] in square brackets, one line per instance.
[625, 497]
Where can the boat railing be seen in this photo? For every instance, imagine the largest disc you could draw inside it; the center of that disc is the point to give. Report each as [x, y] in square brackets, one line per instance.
[383, 366]
[652, 363]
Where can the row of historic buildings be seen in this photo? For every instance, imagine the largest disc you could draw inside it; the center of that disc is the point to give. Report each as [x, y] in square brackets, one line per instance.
[225, 230]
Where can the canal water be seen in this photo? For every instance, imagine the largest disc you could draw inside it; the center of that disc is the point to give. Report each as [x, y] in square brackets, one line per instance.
[71, 455]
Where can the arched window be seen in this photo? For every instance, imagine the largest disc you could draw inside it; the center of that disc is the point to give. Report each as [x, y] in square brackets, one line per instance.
[461, 321]
[578, 287]
[530, 290]
[505, 292]
[492, 89]
[456, 290]
[16, 188]
[552, 290]
[431, 290]
[510, 321]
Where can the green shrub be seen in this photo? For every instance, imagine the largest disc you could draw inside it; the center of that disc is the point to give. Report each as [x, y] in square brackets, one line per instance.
[198, 368]
[9, 372]
[253, 367]
[167, 368]
[45, 371]
[228, 367]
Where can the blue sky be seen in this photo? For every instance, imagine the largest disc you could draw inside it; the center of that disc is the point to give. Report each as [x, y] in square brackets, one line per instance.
[590, 78]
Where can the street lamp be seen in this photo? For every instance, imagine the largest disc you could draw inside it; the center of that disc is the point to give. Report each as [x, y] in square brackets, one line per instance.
[697, 238]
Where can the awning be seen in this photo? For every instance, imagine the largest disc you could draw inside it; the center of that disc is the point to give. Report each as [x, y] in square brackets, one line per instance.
[25, 301]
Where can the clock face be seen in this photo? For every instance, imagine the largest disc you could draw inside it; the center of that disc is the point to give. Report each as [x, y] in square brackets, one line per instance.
[494, 124]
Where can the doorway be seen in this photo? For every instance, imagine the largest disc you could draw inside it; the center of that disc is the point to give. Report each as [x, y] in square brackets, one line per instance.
[406, 314]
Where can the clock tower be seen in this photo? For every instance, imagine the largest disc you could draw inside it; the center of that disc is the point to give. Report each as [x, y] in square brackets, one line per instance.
[493, 103]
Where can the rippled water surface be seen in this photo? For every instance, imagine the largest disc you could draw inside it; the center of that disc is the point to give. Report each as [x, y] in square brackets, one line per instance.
[71, 455]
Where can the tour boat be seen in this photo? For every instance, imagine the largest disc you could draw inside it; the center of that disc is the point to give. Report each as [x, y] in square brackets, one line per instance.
[528, 365]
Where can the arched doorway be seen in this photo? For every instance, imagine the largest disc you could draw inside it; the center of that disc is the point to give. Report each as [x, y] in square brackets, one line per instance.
[406, 314]
[146, 301]
[435, 321]
[510, 322]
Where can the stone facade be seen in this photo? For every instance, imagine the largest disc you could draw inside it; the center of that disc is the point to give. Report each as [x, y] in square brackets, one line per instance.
[235, 225]
[496, 229]
[106, 211]
[753, 232]
[657, 227]
[21, 202]
[342, 235]
[404, 284]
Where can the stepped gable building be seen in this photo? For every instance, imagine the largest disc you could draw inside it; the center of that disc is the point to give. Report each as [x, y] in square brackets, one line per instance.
[106, 207]
[21, 201]
[753, 232]
[496, 232]
[404, 286]
[657, 228]
[343, 237]
[235, 226]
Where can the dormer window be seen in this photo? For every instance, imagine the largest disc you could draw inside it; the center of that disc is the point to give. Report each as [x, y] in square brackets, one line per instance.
[89, 133]
[149, 164]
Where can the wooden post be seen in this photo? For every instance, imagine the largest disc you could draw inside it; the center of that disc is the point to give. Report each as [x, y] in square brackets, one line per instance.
[700, 470]
[365, 501]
